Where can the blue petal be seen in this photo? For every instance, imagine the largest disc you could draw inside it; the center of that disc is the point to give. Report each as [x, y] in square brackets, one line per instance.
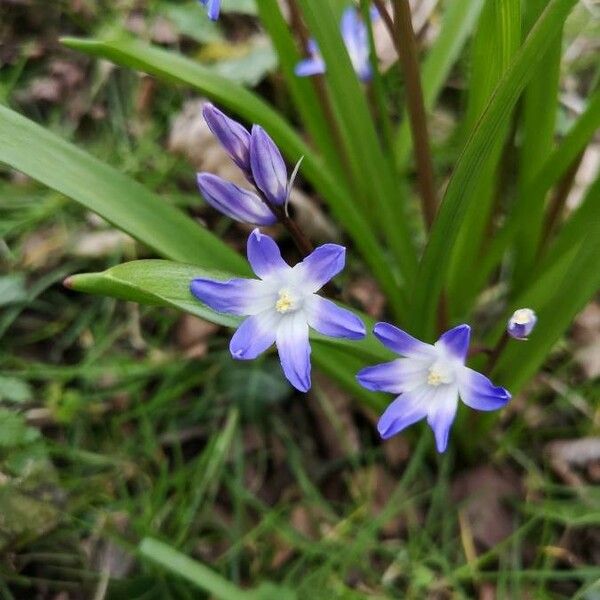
[294, 351]
[233, 296]
[268, 168]
[234, 137]
[235, 202]
[456, 342]
[403, 412]
[264, 255]
[398, 376]
[310, 66]
[321, 265]
[213, 9]
[401, 342]
[442, 410]
[329, 319]
[255, 335]
[478, 392]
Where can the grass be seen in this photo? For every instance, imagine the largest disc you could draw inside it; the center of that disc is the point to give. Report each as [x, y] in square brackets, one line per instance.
[110, 435]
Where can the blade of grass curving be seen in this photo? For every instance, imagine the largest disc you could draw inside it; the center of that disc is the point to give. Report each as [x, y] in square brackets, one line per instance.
[42, 155]
[496, 40]
[178, 69]
[540, 105]
[458, 22]
[549, 175]
[376, 183]
[434, 264]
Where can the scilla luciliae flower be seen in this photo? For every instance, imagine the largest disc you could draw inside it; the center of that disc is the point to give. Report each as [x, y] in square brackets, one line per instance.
[429, 380]
[521, 323]
[235, 202]
[281, 305]
[212, 8]
[355, 36]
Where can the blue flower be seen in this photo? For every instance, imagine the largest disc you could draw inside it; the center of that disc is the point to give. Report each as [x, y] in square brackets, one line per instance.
[234, 137]
[281, 305]
[235, 202]
[429, 380]
[521, 324]
[268, 167]
[212, 8]
[355, 36]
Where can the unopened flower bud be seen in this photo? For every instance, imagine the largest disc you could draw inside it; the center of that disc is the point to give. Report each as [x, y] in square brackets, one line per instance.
[521, 324]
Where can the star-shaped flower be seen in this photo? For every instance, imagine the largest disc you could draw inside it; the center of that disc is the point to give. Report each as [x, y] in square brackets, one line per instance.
[281, 305]
[429, 380]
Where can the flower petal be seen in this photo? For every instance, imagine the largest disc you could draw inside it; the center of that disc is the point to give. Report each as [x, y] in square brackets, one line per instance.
[356, 39]
[455, 342]
[478, 392]
[233, 201]
[320, 266]
[330, 319]
[234, 137]
[254, 335]
[404, 411]
[310, 66]
[213, 9]
[294, 350]
[401, 342]
[264, 255]
[398, 376]
[233, 296]
[442, 410]
[268, 168]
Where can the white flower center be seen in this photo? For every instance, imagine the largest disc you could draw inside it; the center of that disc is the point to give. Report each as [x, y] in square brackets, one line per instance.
[523, 316]
[285, 302]
[440, 372]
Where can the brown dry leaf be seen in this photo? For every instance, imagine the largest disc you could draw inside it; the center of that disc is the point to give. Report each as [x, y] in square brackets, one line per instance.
[569, 456]
[44, 247]
[483, 492]
[192, 334]
[586, 336]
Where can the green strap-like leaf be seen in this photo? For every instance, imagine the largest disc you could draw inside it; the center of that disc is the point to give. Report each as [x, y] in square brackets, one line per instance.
[178, 69]
[39, 153]
[434, 265]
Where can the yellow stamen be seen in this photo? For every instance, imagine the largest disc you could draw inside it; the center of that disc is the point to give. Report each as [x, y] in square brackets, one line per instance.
[285, 302]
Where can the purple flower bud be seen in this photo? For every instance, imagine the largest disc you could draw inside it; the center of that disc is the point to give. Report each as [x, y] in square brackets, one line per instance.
[234, 137]
[233, 201]
[268, 169]
[212, 8]
[521, 324]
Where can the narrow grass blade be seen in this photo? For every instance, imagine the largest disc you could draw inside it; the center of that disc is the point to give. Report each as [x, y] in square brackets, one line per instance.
[199, 574]
[458, 22]
[37, 152]
[177, 69]
[375, 182]
[548, 176]
[496, 41]
[539, 110]
[434, 265]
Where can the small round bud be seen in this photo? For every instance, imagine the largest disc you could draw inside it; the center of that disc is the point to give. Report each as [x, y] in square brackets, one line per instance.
[521, 324]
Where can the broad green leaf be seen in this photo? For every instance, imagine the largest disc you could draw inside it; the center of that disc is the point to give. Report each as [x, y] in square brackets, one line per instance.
[164, 283]
[539, 109]
[37, 152]
[371, 169]
[497, 38]
[459, 19]
[434, 265]
[177, 69]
